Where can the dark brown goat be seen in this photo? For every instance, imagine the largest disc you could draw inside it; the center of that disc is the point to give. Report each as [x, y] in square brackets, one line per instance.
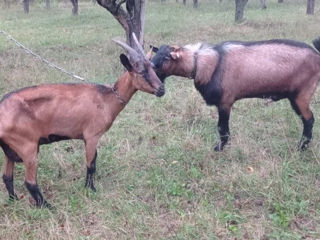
[48, 113]
[230, 71]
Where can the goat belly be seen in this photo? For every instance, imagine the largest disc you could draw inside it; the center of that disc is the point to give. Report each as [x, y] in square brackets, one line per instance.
[52, 138]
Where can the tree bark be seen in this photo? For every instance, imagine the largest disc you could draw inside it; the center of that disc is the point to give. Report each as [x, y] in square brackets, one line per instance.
[6, 4]
[184, 2]
[131, 19]
[26, 4]
[280, 1]
[195, 3]
[240, 5]
[47, 4]
[310, 7]
[75, 7]
[264, 4]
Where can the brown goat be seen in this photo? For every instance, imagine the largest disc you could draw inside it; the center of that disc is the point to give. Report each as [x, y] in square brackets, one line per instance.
[230, 71]
[48, 113]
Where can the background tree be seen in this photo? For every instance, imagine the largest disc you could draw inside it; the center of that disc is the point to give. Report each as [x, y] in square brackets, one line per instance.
[263, 4]
[26, 4]
[195, 3]
[6, 3]
[310, 7]
[280, 1]
[47, 4]
[240, 5]
[131, 18]
[75, 7]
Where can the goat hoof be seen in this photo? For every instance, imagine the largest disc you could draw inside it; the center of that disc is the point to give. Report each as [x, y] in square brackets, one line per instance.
[93, 188]
[13, 198]
[303, 145]
[218, 148]
[46, 205]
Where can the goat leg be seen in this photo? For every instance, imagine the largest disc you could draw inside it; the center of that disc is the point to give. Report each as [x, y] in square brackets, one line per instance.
[223, 127]
[303, 111]
[90, 174]
[8, 176]
[8, 181]
[37, 196]
[307, 133]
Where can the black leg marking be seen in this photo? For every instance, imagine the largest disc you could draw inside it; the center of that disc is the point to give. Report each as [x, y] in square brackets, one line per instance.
[295, 107]
[307, 133]
[90, 174]
[8, 181]
[307, 127]
[37, 196]
[223, 126]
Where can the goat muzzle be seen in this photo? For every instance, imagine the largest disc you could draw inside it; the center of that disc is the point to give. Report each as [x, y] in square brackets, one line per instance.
[160, 91]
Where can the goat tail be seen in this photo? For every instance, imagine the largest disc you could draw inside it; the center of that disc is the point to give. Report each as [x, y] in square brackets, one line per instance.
[316, 43]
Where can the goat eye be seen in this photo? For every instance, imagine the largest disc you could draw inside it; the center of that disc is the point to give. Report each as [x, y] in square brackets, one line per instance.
[167, 58]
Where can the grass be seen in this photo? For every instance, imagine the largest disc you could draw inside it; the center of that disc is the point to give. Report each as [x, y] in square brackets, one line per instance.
[158, 176]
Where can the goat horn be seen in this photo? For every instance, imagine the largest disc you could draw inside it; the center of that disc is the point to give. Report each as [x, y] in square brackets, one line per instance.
[138, 44]
[133, 53]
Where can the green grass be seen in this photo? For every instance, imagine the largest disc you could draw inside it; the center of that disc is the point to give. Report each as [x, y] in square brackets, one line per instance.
[158, 176]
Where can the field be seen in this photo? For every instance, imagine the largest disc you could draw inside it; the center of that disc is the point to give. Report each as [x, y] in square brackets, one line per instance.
[157, 174]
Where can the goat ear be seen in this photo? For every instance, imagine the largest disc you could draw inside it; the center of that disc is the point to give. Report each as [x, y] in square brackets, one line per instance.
[126, 63]
[154, 49]
[175, 55]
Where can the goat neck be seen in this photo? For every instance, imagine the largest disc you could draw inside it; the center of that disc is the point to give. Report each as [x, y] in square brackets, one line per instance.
[185, 66]
[124, 89]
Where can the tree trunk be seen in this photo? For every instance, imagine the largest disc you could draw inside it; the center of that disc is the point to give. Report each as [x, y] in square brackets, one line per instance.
[240, 5]
[310, 7]
[6, 4]
[184, 2]
[26, 6]
[131, 19]
[195, 3]
[47, 4]
[75, 7]
[280, 1]
[263, 4]
[136, 25]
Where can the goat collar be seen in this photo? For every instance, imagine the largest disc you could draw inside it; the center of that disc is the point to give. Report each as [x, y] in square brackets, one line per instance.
[195, 66]
[120, 99]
